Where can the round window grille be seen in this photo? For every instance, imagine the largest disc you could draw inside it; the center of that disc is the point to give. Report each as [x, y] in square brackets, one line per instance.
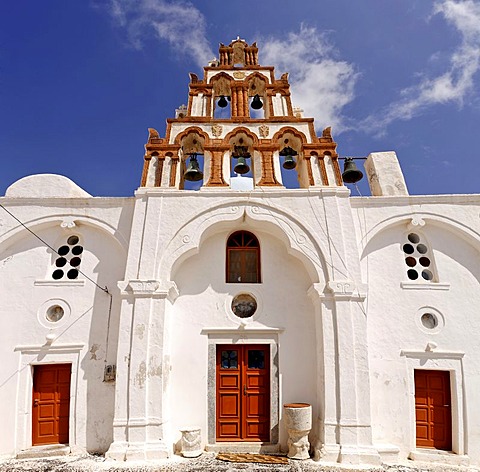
[69, 260]
[417, 260]
[55, 313]
[244, 305]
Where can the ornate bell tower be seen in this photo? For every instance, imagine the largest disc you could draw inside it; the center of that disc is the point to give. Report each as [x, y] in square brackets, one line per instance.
[239, 110]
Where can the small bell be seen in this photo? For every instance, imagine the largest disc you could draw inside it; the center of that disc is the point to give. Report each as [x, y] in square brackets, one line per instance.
[222, 103]
[288, 153]
[241, 167]
[256, 102]
[351, 174]
[193, 172]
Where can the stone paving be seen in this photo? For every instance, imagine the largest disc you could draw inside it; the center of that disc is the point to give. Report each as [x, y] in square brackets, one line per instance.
[205, 462]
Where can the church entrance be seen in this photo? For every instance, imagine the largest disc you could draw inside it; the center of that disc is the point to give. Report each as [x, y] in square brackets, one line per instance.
[51, 404]
[243, 393]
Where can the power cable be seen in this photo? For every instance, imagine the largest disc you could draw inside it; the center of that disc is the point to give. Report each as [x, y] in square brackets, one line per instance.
[104, 289]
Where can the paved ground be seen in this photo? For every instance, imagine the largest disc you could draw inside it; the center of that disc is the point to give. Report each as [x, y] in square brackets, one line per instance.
[206, 462]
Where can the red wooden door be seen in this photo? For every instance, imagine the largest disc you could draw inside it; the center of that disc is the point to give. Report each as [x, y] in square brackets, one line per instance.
[51, 404]
[243, 393]
[432, 409]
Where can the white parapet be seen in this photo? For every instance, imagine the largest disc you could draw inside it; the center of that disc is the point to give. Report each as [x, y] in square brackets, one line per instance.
[384, 174]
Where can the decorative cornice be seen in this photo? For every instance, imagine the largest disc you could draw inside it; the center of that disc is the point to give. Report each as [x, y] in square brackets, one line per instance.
[148, 289]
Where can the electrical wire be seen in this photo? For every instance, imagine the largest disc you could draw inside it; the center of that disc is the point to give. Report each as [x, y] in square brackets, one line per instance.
[103, 289]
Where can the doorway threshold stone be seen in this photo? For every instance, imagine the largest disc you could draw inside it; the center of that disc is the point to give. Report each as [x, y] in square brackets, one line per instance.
[49, 450]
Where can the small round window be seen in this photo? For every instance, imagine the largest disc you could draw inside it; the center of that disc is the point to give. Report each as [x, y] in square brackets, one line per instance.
[429, 320]
[55, 313]
[244, 305]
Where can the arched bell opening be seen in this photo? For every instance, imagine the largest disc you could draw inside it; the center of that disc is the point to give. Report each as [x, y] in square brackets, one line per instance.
[241, 161]
[193, 162]
[291, 163]
[257, 97]
[221, 97]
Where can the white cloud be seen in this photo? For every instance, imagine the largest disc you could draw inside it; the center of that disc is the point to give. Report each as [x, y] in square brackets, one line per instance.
[455, 84]
[179, 23]
[320, 84]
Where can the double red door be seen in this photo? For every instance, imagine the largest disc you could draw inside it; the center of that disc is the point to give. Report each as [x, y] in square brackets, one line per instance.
[243, 393]
[51, 404]
[432, 409]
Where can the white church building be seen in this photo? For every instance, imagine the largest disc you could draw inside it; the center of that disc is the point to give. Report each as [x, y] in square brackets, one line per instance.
[219, 293]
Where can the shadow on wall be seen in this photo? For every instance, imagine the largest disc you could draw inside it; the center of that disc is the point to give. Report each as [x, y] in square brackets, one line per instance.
[107, 268]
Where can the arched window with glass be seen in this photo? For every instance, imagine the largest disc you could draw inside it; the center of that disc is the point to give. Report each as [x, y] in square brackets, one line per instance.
[243, 258]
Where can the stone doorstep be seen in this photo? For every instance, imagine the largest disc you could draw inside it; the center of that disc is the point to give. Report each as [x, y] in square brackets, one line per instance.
[388, 453]
[439, 457]
[247, 447]
[50, 450]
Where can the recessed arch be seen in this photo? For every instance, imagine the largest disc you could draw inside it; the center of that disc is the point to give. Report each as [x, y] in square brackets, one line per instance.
[278, 136]
[298, 239]
[420, 219]
[38, 224]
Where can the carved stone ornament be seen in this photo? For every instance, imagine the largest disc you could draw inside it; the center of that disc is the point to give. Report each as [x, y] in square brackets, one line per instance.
[264, 131]
[416, 223]
[153, 134]
[217, 130]
[238, 74]
[68, 223]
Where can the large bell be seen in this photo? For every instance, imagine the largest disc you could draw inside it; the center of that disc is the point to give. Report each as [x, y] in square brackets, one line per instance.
[222, 103]
[256, 102]
[351, 174]
[193, 172]
[289, 162]
[241, 167]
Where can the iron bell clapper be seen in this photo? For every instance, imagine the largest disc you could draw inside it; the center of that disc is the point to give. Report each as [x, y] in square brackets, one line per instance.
[222, 103]
[351, 174]
[256, 102]
[193, 172]
[288, 153]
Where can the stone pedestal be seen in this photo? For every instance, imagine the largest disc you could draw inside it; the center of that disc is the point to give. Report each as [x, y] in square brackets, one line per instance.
[298, 420]
[191, 442]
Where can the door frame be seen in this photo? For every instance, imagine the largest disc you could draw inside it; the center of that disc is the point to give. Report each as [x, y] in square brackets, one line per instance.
[41, 355]
[248, 336]
[451, 361]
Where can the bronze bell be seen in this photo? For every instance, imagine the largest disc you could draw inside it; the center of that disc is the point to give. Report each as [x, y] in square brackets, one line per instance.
[256, 102]
[351, 174]
[222, 103]
[241, 167]
[193, 172]
[288, 153]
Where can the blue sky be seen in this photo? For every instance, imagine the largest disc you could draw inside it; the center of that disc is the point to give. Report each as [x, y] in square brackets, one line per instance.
[81, 81]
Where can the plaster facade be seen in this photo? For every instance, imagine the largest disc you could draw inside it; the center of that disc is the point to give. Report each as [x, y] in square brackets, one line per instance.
[144, 311]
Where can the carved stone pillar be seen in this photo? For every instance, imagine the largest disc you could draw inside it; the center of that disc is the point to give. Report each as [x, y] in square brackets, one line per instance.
[159, 171]
[142, 360]
[345, 426]
[268, 172]
[173, 170]
[146, 165]
[216, 168]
